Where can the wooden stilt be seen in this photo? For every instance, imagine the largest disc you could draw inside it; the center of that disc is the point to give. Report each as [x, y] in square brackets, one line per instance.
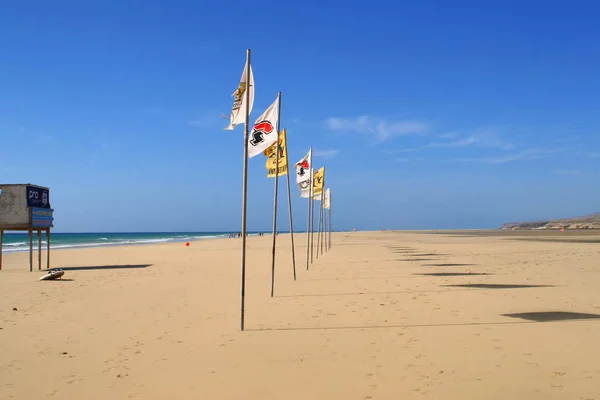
[1, 239]
[30, 249]
[48, 248]
[39, 233]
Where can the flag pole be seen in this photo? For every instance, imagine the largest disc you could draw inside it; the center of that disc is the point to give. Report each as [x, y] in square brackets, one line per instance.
[312, 212]
[245, 193]
[322, 216]
[275, 195]
[319, 225]
[323, 211]
[287, 160]
[326, 229]
[308, 222]
[330, 219]
[320, 228]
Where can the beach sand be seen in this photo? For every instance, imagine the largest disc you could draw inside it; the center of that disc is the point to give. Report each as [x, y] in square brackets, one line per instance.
[366, 321]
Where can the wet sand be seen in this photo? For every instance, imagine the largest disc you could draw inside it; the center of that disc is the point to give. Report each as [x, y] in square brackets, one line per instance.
[382, 315]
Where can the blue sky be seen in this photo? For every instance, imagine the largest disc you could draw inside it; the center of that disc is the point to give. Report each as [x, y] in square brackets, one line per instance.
[428, 114]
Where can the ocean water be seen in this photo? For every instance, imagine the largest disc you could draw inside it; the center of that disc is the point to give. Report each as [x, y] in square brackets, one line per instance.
[17, 241]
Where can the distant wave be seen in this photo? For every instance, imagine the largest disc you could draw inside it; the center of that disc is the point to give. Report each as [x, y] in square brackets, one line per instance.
[93, 242]
[15, 244]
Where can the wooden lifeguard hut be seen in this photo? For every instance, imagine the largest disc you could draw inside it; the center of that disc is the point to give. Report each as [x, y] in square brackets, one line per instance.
[26, 207]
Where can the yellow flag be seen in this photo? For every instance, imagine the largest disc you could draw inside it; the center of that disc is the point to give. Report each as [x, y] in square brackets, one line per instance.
[272, 156]
[318, 181]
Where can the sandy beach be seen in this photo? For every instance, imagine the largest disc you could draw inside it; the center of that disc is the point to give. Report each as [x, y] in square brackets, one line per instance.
[382, 315]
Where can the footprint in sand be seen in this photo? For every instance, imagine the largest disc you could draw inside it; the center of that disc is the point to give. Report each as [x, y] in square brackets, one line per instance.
[74, 379]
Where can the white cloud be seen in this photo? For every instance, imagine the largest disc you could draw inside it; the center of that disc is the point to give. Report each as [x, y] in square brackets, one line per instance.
[406, 150]
[567, 172]
[381, 128]
[449, 135]
[524, 155]
[486, 138]
[200, 122]
[479, 138]
[208, 120]
[325, 153]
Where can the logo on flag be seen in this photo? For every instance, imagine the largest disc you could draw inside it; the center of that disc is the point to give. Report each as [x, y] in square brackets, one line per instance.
[303, 168]
[277, 162]
[263, 132]
[304, 185]
[259, 130]
[318, 181]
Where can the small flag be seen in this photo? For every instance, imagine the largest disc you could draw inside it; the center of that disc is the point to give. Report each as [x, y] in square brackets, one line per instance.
[271, 155]
[327, 199]
[318, 181]
[238, 111]
[303, 168]
[264, 131]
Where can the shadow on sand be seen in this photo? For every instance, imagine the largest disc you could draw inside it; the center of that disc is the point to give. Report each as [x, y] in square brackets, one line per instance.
[371, 293]
[425, 254]
[101, 267]
[496, 286]
[449, 265]
[326, 328]
[529, 318]
[58, 280]
[454, 274]
[552, 316]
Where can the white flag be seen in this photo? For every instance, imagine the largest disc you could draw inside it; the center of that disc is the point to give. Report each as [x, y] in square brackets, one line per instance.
[238, 111]
[264, 131]
[303, 167]
[305, 185]
[327, 199]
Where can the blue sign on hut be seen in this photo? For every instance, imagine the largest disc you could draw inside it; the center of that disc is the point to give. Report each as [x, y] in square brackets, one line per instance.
[26, 207]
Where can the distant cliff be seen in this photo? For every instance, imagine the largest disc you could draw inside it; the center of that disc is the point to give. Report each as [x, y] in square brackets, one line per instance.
[587, 222]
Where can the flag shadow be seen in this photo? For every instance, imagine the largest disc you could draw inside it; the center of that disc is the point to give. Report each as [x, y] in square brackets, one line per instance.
[496, 286]
[422, 254]
[391, 326]
[454, 274]
[371, 293]
[526, 318]
[358, 278]
[552, 316]
[449, 265]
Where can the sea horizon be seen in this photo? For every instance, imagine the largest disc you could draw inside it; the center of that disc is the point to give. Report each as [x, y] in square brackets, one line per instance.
[17, 241]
